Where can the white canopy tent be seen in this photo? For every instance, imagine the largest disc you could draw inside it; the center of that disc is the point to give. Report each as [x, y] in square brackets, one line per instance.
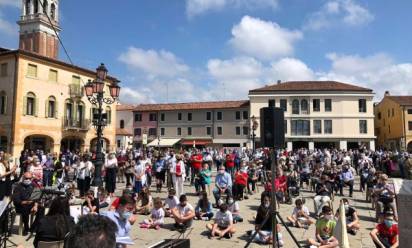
[164, 142]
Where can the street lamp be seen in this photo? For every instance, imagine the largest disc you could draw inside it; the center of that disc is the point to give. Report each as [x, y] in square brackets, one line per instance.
[95, 94]
[255, 125]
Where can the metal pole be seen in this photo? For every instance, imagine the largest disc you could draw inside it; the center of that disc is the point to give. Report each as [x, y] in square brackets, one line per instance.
[273, 200]
[253, 141]
[99, 154]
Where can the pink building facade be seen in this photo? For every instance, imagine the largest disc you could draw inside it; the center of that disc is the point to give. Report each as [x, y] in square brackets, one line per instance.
[144, 122]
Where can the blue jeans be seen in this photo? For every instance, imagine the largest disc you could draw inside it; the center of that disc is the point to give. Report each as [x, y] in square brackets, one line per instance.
[47, 178]
[138, 186]
[217, 195]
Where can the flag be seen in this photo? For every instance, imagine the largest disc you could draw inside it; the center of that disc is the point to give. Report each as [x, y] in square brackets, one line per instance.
[340, 231]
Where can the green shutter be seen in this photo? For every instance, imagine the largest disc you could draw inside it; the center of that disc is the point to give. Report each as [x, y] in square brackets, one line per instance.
[46, 109]
[74, 111]
[24, 105]
[36, 106]
[56, 110]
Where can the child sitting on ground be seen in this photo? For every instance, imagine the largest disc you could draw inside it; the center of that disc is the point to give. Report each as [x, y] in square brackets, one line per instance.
[157, 216]
[234, 208]
[300, 215]
[146, 202]
[170, 202]
[203, 208]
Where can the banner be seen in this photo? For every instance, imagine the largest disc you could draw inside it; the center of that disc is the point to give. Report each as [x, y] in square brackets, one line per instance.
[340, 231]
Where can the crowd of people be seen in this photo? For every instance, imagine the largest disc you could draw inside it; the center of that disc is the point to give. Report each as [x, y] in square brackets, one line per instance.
[239, 174]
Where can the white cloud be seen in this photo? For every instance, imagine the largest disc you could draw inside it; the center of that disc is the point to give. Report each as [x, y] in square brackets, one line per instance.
[129, 95]
[263, 39]
[336, 12]
[154, 63]
[291, 69]
[198, 7]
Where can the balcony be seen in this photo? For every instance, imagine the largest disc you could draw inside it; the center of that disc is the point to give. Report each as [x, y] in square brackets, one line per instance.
[76, 91]
[71, 124]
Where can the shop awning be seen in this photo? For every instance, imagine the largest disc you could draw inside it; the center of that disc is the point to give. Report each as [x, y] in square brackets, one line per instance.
[163, 142]
[196, 142]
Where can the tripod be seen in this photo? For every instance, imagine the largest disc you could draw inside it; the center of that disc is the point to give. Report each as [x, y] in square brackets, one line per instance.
[6, 222]
[273, 213]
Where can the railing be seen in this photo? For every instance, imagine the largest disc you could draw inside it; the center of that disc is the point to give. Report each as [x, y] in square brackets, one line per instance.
[83, 124]
[75, 90]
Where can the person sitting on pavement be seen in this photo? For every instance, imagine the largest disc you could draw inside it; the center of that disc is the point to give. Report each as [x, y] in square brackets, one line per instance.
[386, 196]
[223, 223]
[203, 208]
[234, 208]
[352, 219]
[223, 184]
[386, 234]
[241, 178]
[323, 194]
[90, 204]
[300, 215]
[324, 230]
[126, 192]
[171, 202]
[346, 178]
[146, 202]
[183, 213]
[157, 216]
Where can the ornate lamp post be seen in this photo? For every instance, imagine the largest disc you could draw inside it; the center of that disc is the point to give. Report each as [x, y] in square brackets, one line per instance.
[255, 125]
[95, 94]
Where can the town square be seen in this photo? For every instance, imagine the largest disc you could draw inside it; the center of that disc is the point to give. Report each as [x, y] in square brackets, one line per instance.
[205, 123]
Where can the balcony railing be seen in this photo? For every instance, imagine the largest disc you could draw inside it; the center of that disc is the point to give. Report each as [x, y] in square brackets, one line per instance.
[83, 124]
[75, 90]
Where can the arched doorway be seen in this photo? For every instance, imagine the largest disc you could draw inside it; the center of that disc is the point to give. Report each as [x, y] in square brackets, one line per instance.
[410, 146]
[39, 142]
[72, 144]
[105, 144]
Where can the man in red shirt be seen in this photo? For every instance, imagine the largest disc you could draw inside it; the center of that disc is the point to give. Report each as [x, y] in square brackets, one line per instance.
[230, 163]
[196, 162]
[240, 183]
[386, 234]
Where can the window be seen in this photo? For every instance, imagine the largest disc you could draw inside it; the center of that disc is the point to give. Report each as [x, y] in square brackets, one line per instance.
[3, 70]
[69, 110]
[208, 131]
[52, 75]
[3, 102]
[316, 105]
[285, 126]
[162, 117]
[121, 124]
[410, 125]
[189, 116]
[179, 116]
[245, 130]
[219, 130]
[219, 116]
[152, 117]
[328, 105]
[162, 131]
[45, 6]
[3, 143]
[208, 116]
[304, 105]
[317, 126]
[80, 113]
[53, 11]
[295, 107]
[76, 80]
[137, 117]
[300, 127]
[179, 131]
[379, 116]
[284, 104]
[237, 117]
[363, 126]
[137, 132]
[32, 70]
[189, 130]
[109, 115]
[30, 104]
[152, 131]
[51, 107]
[362, 105]
[237, 130]
[328, 126]
[245, 115]
[409, 111]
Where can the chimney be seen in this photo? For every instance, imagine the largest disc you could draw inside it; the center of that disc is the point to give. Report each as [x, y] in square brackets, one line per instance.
[279, 81]
[387, 93]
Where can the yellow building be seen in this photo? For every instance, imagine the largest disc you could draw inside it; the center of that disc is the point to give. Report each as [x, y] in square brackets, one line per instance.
[42, 101]
[393, 122]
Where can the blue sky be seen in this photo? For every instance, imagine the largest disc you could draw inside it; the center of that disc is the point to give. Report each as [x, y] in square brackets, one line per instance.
[196, 50]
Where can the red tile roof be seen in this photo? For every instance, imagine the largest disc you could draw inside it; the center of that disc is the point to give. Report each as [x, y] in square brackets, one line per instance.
[401, 100]
[192, 106]
[123, 107]
[311, 86]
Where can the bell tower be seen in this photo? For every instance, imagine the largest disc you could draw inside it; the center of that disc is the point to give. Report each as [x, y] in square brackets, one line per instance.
[36, 32]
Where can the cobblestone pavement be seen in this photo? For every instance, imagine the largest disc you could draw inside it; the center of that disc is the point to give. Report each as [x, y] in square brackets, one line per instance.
[198, 235]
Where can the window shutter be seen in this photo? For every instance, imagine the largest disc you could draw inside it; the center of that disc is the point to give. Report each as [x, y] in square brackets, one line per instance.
[24, 105]
[5, 104]
[46, 109]
[56, 110]
[36, 107]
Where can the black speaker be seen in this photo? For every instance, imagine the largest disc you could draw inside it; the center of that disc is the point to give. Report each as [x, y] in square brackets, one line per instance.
[272, 127]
